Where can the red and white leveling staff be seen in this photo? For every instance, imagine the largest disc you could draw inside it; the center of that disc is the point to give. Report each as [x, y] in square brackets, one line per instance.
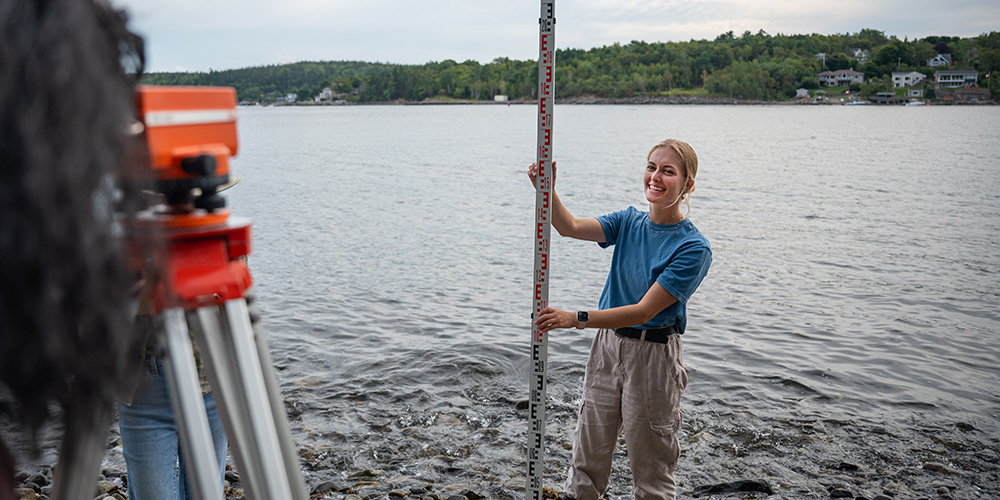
[543, 197]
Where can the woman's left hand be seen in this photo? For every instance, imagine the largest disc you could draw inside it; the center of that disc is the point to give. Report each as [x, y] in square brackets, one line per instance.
[551, 318]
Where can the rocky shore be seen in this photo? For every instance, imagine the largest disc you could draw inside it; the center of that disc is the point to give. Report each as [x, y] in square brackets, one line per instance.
[725, 455]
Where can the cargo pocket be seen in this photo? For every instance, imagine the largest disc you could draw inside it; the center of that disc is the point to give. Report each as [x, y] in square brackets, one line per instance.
[667, 382]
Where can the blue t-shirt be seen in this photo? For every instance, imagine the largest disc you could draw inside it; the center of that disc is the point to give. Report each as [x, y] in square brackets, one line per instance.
[676, 256]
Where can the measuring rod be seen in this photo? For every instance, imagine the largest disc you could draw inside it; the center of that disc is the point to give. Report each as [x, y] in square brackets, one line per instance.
[543, 198]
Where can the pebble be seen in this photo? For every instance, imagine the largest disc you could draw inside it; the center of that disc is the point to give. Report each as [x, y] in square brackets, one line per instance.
[106, 487]
[38, 479]
[368, 473]
[399, 493]
[841, 493]
[746, 485]
[326, 486]
[882, 497]
[471, 495]
[25, 494]
[936, 467]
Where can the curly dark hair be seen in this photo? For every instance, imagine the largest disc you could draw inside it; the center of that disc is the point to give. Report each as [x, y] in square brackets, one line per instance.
[70, 68]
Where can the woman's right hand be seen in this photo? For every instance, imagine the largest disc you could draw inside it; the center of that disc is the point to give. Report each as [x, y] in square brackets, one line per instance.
[533, 173]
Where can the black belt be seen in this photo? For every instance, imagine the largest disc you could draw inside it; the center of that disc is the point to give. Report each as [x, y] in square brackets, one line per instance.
[658, 335]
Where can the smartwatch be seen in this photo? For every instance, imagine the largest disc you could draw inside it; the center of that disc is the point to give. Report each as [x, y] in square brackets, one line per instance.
[582, 317]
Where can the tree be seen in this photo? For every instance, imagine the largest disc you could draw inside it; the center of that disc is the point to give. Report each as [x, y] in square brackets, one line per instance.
[943, 48]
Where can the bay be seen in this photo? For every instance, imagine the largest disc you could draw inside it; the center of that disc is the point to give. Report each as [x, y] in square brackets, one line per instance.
[851, 313]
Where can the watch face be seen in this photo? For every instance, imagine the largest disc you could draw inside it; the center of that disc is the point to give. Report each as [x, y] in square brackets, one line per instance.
[582, 316]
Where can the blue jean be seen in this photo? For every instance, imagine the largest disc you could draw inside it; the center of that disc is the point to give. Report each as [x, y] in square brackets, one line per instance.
[150, 441]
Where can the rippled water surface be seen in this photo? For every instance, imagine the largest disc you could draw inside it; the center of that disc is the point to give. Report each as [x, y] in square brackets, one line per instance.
[851, 314]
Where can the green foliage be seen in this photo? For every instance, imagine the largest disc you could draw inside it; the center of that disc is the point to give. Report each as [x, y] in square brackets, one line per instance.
[750, 66]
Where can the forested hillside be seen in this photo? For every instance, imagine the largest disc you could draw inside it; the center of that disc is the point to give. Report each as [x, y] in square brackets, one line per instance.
[749, 66]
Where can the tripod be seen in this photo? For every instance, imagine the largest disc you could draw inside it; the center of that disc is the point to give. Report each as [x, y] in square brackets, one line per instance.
[195, 254]
[206, 299]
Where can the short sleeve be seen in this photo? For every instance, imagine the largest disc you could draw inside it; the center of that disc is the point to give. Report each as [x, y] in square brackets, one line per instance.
[686, 270]
[612, 224]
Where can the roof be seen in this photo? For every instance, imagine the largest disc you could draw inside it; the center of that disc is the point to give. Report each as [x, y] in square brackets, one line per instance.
[956, 72]
[849, 72]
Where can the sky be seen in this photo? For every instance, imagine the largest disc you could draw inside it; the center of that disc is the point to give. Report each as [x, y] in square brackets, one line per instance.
[201, 35]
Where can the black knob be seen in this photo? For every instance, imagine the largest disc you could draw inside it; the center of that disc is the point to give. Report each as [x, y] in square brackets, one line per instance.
[199, 165]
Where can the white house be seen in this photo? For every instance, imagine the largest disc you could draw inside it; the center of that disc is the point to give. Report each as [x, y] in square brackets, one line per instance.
[939, 60]
[906, 78]
[861, 55]
[801, 93]
[955, 78]
[840, 78]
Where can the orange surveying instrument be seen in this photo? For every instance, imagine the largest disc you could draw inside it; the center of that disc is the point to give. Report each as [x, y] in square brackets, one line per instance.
[193, 254]
[202, 290]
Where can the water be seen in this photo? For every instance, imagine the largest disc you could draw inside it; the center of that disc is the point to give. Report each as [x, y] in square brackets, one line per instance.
[850, 317]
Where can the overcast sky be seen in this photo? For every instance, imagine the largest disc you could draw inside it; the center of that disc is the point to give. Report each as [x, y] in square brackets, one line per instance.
[198, 35]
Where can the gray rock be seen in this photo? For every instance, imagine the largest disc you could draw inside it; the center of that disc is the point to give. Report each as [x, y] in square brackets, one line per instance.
[399, 493]
[745, 485]
[472, 495]
[936, 467]
[25, 494]
[367, 473]
[841, 493]
[38, 479]
[106, 487]
[326, 486]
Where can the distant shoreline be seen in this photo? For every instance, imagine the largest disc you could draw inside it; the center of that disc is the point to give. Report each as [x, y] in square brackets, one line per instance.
[636, 100]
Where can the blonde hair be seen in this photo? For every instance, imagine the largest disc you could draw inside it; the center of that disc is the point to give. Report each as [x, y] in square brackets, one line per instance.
[689, 162]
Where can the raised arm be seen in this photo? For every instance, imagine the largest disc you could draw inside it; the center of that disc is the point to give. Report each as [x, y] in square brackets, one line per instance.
[587, 228]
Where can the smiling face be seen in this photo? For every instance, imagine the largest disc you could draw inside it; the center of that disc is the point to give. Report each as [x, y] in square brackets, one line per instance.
[665, 180]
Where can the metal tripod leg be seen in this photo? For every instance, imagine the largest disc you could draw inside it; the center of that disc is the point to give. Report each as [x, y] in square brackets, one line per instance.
[201, 469]
[288, 451]
[246, 405]
[84, 442]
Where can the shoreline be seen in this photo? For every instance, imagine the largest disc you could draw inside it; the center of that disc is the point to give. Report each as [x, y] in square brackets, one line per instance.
[694, 100]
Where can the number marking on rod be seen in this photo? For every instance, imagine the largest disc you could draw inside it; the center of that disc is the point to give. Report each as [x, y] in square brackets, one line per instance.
[543, 193]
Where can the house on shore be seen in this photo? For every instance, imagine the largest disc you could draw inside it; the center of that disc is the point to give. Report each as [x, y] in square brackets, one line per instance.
[841, 78]
[901, 79]
[955, 78]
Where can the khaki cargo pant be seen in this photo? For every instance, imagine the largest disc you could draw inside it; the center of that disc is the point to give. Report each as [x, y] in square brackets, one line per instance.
[635, 386]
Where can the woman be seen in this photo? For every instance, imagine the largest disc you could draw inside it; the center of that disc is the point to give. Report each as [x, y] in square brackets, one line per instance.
[635, 374]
